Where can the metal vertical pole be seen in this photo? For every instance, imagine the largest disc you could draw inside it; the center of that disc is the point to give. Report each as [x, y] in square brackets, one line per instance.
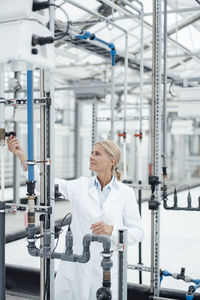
[2, 203]
[156, 149]
[50, 153]
[94, 122]
[77, 141]
[122, 272]
[2, 126]
[2, 105]
[43, 274]
[16, 163]
[125, 106]
[16, 177]
[112, 102]
[2, 252]
[164, 152]
[141, 131]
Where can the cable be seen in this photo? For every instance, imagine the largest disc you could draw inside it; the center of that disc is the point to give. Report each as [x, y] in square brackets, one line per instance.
[67, 27]
[170, 89]
[60, 230]
[198, 1]
[49, 39]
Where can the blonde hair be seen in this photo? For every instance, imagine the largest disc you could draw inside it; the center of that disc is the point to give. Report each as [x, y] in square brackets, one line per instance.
[113, 150]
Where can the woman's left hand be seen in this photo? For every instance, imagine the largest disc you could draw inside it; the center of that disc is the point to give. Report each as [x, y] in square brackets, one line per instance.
[101, 228]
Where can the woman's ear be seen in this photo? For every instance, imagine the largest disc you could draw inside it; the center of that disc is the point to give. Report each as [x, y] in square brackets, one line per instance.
[113, 162]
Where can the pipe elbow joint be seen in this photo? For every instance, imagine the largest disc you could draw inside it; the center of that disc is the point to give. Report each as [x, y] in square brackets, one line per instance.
[87, 239]
[105, 240]
[33, 251]
[84, 258]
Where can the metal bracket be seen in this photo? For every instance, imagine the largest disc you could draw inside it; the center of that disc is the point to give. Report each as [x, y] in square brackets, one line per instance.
[139, 268]
[17, 102]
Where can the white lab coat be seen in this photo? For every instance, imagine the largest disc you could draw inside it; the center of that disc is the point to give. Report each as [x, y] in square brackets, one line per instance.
[75, 281]
[81, 281]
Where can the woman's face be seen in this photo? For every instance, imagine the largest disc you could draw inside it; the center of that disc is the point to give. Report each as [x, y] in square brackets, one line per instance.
[100, 161]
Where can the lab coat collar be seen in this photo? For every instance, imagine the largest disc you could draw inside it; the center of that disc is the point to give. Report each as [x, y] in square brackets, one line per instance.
[108, 186]
[92, 185]
[92, 190]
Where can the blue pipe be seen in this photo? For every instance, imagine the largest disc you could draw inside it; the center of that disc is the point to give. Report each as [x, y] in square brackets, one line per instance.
[164, 273]
[83, 36]
[87, 35]
[189, 297]
[196, 281]
[30, 123]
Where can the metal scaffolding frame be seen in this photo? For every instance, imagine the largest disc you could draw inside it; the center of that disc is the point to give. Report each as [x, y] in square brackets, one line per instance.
[47, 266]
[156, 147]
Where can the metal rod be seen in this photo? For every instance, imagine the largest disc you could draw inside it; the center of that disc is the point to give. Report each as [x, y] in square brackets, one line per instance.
[165, 91]
[2, 253]
[141, 119]
[50, 153]
[2, 203]
[30, 123]
[94, 14]
[112, 107]
[125, 106]
[176, 11]
[94, 122]
[122, 259]
[116, 7]
[155, 145]
[77, 87]
[2, 105]
[16, 163]
[42, 183]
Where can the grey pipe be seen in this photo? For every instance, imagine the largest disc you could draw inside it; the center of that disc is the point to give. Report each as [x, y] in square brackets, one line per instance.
[66, 256]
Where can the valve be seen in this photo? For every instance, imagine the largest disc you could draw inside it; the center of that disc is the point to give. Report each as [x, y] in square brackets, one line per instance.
[104, 294]
[4, 134]
[153, 181]
[139, 135]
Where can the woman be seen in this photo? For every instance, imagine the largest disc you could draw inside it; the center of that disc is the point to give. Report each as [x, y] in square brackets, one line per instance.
[100, 204]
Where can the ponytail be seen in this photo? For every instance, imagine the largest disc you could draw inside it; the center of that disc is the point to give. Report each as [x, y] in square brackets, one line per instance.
[117, 174]
[112, 149]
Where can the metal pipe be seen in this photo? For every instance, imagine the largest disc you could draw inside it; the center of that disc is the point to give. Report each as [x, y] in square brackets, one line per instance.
[30, 124]
[2, 203]
[165, 97]
[141, 115]
[116, 7]
[2, 97]
[16, 163]
[2, 253]
[42, 140]
[176, 11]
[50, 154]
[104, 85]
[42, 183]
[155, 149]
[125, 107]
[122, 260]
[95, 14]
[112, 103]
[2, 126]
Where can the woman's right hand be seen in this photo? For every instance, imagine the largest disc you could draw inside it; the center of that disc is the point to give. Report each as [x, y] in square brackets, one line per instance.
[15, 147]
